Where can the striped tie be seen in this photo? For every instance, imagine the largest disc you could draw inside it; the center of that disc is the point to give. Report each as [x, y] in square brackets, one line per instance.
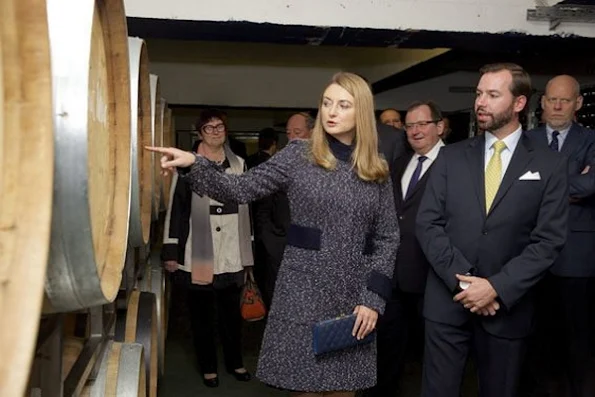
[493, 174]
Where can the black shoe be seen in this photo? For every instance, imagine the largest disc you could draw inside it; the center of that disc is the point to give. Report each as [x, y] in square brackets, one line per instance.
[242, 377]
[214, 382]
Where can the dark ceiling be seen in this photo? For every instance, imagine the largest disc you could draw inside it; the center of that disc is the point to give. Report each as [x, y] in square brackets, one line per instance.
[354, 37]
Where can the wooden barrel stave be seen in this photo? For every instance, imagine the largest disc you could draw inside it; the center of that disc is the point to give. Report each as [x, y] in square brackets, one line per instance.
[157, 140]
[139, 324]
[26, 183]
[155, 281]
[121, 372]
[167, 142]
[91, 85]
[141, 136]
[71, 350]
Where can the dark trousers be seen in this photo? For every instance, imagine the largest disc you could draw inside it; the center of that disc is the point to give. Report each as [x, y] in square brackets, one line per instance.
[560, 352]
[203, 304]
[266, 268]
[400, 332]
[574, 340]
[447, 347]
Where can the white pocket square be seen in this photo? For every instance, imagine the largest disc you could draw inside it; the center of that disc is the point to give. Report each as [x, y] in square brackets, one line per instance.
[530, 176]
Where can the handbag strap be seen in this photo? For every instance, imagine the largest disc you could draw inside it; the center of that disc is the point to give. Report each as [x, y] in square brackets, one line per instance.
[249, 274]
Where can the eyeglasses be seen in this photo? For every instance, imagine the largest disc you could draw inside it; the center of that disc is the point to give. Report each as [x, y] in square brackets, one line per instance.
[420, 124]
[211, 129]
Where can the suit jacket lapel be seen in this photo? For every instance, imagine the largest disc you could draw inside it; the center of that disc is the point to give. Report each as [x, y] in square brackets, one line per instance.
[476, 158]
[400, 167]
[520, 158]
[542, 136]
[572, 139]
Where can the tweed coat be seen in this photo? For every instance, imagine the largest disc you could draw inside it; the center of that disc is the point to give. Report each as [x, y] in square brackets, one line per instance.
[341, 251]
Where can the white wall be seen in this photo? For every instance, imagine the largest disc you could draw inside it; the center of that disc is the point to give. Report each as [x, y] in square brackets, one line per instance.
[265, 75]
[493, 16]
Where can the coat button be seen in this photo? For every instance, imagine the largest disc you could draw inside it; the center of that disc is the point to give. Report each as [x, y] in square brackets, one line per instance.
[400, 218]
[219, 210]
[218, 229]
[485, 232]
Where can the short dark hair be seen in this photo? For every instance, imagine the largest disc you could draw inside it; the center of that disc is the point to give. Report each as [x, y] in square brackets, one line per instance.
[310, 121]
[434, 109]
[208, 115]
[521, 81]
[388, 109]
[267, 137]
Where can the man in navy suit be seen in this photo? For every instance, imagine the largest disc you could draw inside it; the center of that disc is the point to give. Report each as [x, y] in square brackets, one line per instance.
[571, 288]
[492, 221]
[402, 324]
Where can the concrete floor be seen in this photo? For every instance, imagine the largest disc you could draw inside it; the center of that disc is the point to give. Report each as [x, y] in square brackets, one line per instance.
[182, 378]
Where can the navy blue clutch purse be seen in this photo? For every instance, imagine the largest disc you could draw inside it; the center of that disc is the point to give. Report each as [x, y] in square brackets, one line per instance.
[335, 334]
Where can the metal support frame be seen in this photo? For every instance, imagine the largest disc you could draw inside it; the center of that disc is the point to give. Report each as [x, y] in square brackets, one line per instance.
[102, 320]
[46, 374]
[562, 13]
[47, 379]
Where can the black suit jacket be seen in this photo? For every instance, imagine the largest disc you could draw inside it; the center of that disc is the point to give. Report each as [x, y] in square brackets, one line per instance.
[577, 259]
[513, 246]
[411, 269]
[270, 217]
[392, 143]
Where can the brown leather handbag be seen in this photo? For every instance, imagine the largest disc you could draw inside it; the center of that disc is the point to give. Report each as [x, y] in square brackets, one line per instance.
[252, 306]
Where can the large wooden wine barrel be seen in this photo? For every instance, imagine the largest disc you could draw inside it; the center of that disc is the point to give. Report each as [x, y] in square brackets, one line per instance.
[26, 183]
[139, 324]
[157, 139]
[121, 373]
[141, 193]
[155, 281]
[91, 85]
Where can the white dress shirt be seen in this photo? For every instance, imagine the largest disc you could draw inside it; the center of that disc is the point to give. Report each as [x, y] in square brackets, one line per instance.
[511, 142]
[561, 138]
[431, 157]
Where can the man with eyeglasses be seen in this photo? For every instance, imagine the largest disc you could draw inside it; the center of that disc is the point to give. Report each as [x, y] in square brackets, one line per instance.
[570, 288]
[400, 329]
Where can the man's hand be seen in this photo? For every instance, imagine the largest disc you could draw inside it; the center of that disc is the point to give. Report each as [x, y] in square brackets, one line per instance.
[489, 310]
[479, 295]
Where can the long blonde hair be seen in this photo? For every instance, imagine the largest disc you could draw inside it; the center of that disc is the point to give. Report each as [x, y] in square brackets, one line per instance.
[365, 158]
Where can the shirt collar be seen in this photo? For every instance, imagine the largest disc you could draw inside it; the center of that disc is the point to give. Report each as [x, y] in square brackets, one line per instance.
[563, 132]
[510, 141]
[433, 153]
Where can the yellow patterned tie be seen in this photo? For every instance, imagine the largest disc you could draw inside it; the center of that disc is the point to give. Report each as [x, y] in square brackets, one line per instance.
[493, 175]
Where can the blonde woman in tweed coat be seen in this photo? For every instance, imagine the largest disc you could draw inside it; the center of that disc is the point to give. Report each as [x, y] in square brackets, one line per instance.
[342, 240]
